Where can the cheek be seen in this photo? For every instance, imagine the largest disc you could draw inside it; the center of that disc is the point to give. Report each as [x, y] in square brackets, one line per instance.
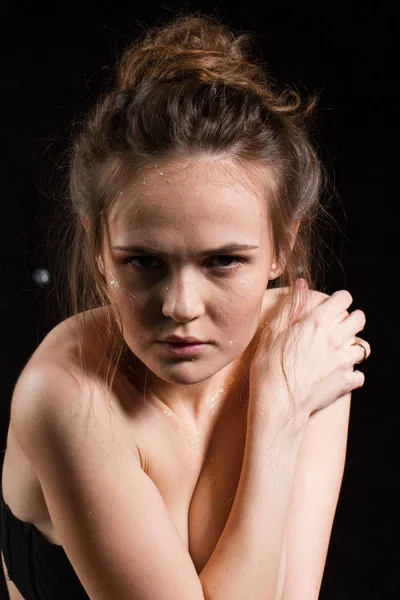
[121, 294]
[133, 314]
[247, 297]
[241, 317]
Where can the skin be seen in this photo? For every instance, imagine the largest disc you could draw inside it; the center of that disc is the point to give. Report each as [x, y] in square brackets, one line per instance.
[183, 208]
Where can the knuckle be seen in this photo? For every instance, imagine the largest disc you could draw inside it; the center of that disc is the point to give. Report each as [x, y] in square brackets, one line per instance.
[319, 321]
[321, 295]
[344, 294]
[318, 297]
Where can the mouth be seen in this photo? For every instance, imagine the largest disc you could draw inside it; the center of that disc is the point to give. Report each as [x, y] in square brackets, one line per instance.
[182, 348]
[187, 339]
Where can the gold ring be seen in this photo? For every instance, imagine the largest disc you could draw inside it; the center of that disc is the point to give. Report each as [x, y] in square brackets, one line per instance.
[365, 352]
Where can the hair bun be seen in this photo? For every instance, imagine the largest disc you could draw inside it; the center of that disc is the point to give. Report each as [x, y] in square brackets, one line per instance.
[189, 48]
[203, 48]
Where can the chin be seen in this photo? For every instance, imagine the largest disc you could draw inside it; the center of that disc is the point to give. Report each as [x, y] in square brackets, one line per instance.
[184, 373]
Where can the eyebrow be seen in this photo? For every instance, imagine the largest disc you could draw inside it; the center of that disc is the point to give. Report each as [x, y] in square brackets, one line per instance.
[232, 247]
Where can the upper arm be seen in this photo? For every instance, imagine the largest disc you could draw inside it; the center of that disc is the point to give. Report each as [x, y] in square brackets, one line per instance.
[315, 493]
[110, 516]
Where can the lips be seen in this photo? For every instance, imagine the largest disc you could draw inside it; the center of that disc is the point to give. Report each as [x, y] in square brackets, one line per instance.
[184, 349]
[174, 339]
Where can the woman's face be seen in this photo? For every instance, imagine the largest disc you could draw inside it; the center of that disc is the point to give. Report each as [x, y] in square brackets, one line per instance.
[167, 272]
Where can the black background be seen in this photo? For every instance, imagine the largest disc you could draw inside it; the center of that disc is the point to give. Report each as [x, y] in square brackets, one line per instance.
[53, 61]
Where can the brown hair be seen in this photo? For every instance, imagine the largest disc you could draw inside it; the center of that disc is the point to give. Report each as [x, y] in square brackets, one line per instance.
[182, 89]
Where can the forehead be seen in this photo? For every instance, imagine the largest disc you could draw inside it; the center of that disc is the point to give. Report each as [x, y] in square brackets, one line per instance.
[190, 196]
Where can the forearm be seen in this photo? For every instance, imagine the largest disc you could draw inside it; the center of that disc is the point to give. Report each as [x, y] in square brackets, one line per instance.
[247, 558]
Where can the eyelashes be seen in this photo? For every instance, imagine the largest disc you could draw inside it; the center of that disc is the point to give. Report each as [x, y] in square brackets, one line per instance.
[237, 261]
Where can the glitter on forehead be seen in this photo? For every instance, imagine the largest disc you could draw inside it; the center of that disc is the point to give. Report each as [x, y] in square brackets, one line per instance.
[143, 176]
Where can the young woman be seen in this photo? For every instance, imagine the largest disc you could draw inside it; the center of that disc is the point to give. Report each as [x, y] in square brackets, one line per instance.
[182, 434]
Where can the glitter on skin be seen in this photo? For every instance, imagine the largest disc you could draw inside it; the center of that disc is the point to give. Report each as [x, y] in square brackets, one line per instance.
[199, 433]
[223, 197]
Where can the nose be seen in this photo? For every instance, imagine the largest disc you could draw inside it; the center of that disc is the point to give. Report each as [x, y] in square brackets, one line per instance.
[182, 299]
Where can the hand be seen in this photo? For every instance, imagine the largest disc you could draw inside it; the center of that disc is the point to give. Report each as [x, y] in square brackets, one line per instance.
[314, 364]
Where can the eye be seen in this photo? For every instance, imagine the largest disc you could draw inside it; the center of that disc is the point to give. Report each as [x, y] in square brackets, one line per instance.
[142, 258]
[225, 257]
[156, 262]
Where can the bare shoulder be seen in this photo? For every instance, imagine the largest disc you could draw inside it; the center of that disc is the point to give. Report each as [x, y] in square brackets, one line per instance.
[57, 357]
[274, 297]
[61, 343]
[55, 387]
[53, 365]
[100, 501]
[46, 387]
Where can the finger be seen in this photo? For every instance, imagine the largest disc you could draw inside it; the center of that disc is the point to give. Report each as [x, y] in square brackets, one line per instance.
[342, 316]
[361, 350]
[352, 324]
[359, 379]
[334, 305]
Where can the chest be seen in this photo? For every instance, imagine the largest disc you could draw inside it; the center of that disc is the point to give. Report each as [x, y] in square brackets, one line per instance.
[198, 481]
[196, 477]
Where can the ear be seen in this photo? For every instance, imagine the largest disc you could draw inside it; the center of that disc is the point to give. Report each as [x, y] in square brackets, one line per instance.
[85, 223]
[100, 265]
[277, 268]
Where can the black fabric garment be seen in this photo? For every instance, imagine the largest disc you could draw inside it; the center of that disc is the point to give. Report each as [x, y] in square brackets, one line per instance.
[39, 569]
